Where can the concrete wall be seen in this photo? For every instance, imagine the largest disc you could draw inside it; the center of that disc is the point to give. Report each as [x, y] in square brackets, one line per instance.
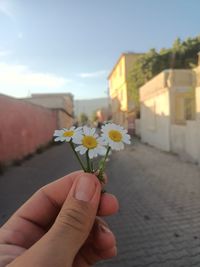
[64, 121]
[185, 140]
[62, 103]
[137, 127]
[155, 112]
[23, 128]
[120, 91]
[53, 101]
[155, 121]
[89, 106]
[160, 110]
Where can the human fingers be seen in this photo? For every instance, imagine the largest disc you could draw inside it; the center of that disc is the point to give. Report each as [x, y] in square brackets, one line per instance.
[100, 245]
[108, 205]
[31, 221]
[71, 228]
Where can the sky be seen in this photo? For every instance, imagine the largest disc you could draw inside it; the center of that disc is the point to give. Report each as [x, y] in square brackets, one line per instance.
[61, 46]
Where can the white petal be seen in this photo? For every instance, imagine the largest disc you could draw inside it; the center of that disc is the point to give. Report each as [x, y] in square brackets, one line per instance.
[67, 138]
[57, 139]
[83, 150]
[77, 139]
[111, 144]
[58, 132]
[120, 146]
[86, 130]
[91, 153]
[78, 148]
[104, 137]
[79, 129]
[95, 135]
[102, 141]
[102, 151]
[93, 130]
[126, 140]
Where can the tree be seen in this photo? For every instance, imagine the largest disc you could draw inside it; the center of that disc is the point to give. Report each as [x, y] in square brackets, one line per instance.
[182, 54]
[83, 118]
[94, 116]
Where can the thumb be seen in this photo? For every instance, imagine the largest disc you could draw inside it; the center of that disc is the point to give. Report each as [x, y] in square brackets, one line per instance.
[60, 244]
[76, 217]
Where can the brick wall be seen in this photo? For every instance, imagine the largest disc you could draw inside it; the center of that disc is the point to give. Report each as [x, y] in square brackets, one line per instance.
[23, 128]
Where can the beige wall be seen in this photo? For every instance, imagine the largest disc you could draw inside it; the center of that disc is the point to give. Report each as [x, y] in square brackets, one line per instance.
[155, 121]
[117, 78]
[185, 141]
[182, 95]
[155, 112]
[159, 108]
[119, 90]
[53, 101]
[137, 127]
[64, 121]
[197, 70]
[61, 103]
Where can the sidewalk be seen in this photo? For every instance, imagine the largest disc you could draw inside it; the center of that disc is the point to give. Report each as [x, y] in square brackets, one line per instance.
[158, 224]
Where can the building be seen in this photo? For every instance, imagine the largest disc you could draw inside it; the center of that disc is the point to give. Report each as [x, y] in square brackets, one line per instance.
[103, 114]
[90, 106]
[61, 103]
[25, 127]
[170, 108]
[120, 91]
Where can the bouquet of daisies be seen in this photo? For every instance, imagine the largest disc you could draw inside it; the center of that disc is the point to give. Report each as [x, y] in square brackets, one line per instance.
[85, 141]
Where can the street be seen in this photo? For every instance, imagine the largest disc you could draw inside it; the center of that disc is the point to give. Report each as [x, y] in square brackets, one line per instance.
[158, 223]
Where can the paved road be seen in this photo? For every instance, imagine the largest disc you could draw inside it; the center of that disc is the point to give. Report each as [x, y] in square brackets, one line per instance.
[159, 219]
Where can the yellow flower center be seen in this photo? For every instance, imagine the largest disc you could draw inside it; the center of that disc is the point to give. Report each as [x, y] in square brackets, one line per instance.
[89, 142]
[68, 133]
[115, 135]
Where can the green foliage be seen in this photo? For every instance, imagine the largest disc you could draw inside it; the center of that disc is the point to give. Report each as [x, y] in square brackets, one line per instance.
[83, 118]
[94, 116]
[182, 55]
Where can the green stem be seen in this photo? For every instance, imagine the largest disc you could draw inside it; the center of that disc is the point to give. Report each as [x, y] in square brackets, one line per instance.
[88, 161]
[92, 166]
[77, 156]
[102, 165]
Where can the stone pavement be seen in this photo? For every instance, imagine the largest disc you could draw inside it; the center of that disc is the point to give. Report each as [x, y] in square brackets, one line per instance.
[18, 183]
[159, 219]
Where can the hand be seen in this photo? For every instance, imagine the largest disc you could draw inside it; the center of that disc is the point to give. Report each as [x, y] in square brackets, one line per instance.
[58, 226]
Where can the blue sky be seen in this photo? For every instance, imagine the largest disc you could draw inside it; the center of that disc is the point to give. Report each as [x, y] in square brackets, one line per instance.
[72, 45]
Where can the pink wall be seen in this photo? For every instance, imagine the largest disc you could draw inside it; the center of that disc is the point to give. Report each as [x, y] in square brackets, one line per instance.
[23, 128]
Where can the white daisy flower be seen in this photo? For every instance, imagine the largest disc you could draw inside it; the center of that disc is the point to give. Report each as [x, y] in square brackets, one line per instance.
[89, 141]
[66, 134]
[115, 136]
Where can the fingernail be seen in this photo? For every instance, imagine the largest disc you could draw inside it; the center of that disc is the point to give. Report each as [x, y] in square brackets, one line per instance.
[85, 188]
[104, 229]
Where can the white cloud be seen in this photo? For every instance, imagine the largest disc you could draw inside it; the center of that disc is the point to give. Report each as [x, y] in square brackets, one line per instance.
[4, 53]
[95, 74]
[19, 80]
[6, 8]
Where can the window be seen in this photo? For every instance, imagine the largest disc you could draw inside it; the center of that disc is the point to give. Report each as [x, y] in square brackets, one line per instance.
[184, 109]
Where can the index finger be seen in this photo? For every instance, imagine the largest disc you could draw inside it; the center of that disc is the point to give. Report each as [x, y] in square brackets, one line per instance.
[35, 217]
